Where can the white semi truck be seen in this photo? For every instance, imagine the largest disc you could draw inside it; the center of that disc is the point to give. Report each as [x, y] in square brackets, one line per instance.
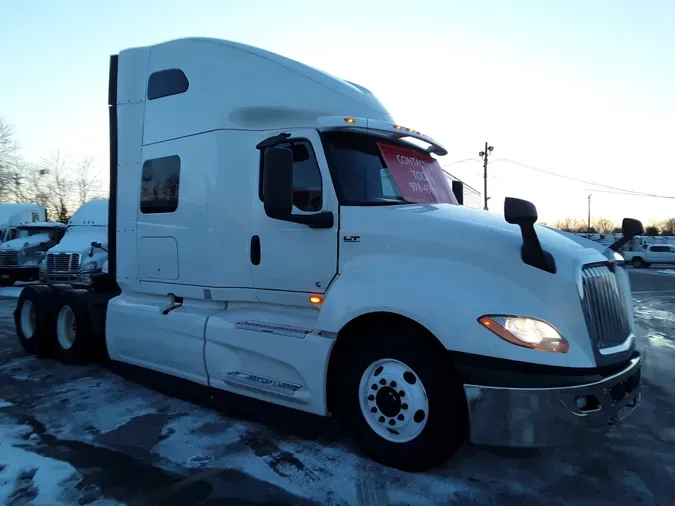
[20, 257]
[273, 234]
[78, 258]
[13, 215]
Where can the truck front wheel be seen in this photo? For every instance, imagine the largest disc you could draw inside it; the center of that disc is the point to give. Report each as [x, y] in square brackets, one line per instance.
[401, 401]
[637, 262]
[73, 328]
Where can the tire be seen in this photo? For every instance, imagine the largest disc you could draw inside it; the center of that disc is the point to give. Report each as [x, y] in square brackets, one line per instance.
[431, 417]
[637, 262]
[34, 320]
[72, 344]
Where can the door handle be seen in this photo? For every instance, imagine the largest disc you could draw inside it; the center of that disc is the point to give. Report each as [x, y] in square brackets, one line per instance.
[255, 250]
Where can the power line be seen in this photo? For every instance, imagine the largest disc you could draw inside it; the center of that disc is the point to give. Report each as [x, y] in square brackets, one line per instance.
[593, 183]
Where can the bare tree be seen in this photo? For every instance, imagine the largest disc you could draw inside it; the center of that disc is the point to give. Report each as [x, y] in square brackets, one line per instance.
[603, 225]
[667, 227]
[571, 225]
[87, 185]
[9, 157]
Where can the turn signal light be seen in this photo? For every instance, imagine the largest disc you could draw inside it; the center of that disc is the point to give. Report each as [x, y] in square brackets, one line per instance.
[316, 299]
[350, 120]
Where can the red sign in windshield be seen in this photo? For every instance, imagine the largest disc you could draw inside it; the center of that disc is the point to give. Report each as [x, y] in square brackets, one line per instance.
[419, 177]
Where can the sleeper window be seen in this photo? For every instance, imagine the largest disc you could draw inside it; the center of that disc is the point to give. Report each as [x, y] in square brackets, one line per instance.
[160, 184]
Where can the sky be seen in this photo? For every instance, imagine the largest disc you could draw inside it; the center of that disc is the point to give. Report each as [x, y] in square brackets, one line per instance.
[578, 88]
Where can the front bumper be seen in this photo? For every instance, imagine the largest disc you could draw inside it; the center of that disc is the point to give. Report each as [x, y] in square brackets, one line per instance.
[540, 417]
[82, 278]
[19, 273]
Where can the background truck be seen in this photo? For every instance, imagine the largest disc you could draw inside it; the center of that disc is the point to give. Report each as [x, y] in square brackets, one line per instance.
[20, 257]
[652, 254]
[274, 233]
[80, 255]
[13, 215]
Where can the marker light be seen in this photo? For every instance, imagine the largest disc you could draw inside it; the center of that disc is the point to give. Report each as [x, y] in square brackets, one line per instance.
[316, 299]
[410, 130]
[527, 332]
[350, 120]
[398, 127]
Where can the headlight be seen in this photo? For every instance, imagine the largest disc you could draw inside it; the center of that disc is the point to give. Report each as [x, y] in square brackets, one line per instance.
[91, 266]
[527, 332]
[618, 257]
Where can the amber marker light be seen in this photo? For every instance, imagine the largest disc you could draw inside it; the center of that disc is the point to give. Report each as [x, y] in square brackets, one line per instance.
[350, 120]
[316, 299]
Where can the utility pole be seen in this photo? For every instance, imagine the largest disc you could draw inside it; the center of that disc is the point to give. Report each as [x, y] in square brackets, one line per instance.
[484, 154]
[589, 213]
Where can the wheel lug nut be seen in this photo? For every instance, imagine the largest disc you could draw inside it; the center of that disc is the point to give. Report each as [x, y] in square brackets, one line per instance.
[392, 422]
[392, 384]
[374, 387]
[400, 417]
[383, 381]
[401, 393]
[371, 397]
[404, 406]
[381, 419]
[373, 409]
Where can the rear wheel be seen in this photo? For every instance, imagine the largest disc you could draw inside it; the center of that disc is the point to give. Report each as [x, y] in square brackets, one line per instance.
[637, 262]
[33, 319]
[73, 328]
[400, 399]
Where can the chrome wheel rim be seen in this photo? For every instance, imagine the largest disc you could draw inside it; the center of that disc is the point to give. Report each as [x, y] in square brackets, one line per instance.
[393, 400]
[66, 327]
[28, 319]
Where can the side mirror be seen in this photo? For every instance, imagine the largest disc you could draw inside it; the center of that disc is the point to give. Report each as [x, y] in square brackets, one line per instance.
[524, 214]
[519, 211]
[632, 227]
[278, 182]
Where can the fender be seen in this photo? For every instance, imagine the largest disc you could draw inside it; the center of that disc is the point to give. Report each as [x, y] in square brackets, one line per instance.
[448, 296]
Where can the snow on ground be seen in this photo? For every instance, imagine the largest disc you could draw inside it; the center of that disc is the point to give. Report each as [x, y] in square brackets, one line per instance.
[29, 478]
[81, 434]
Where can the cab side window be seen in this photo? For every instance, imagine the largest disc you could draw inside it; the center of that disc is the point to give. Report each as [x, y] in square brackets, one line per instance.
[307, 183]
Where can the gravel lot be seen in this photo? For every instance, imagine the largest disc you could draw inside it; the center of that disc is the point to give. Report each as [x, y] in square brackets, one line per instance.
[84, 435]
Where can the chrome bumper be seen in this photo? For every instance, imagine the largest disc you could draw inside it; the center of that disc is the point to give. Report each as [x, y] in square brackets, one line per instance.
[551, 416]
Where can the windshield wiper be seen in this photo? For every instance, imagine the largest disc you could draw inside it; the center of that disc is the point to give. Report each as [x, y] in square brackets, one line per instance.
[389, 201]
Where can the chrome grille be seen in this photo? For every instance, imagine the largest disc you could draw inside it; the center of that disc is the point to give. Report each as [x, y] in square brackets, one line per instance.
[604, 307]
[9, 258]
[63, 262]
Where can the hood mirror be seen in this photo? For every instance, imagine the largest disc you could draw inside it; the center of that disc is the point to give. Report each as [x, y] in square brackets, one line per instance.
[524, 214]
[630, 228]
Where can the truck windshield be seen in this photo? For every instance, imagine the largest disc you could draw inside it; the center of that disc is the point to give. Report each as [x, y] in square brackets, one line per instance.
[27, 232]
[369, 170]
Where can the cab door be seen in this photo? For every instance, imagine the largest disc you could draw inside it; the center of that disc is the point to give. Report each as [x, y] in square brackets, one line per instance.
[291, 256]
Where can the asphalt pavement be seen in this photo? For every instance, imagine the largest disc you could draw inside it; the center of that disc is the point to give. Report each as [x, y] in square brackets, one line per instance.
[84, 435]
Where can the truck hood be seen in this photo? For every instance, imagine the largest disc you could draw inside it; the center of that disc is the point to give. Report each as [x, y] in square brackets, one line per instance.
[459, 233]
[78, 239]
[25, 242]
